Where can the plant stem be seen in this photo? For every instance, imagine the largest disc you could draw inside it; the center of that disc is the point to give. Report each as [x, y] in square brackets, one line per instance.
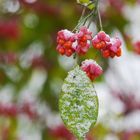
[100, 20]
[82, 15]
[75, 57]
[89, 23]
[82, 21]
[94, 13]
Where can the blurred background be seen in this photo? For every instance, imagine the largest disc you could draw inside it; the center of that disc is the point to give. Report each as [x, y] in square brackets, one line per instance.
[32, 72]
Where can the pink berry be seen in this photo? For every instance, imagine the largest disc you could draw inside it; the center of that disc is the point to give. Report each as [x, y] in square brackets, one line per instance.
[92, 69]
[116, 43]
[100, 40]
[114, 47]
[109, 47]
[83, 38]
[65, 40]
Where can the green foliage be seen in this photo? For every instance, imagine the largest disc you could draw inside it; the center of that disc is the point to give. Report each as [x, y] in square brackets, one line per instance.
[87, 3]
[78, 103]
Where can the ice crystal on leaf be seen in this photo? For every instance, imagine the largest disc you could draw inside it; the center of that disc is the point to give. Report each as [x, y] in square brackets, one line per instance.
[78, 103]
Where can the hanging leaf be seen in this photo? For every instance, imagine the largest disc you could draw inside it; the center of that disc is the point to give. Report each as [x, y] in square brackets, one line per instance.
[88, 3]
[78, 103]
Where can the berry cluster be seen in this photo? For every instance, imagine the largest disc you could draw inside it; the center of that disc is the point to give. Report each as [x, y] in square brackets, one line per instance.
[69, 43]
[110, 47]
[82, 41]
[65, 42]
[92, 69]
[79, 43]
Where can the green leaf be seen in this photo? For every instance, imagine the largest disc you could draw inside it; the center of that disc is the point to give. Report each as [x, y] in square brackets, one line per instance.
[87, 3]
[83, 1]
[78, 103]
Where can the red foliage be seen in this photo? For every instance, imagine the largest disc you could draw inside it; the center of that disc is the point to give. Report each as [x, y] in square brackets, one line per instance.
[137, 47]
[117, 4]
[9, 29]
[40, 62]
[41, 7]
[129, 101]
[8, 110]
[61, 132]
[8, 58]
[13, 110]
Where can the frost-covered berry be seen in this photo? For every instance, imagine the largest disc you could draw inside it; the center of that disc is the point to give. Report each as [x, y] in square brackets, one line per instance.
[100, 40]
[137, 47]
[83, 38]
[65, 41]
[113, 48]
[92, 69]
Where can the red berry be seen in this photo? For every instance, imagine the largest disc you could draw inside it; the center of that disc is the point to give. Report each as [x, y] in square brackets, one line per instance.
[82, 43]
[103, 44]
[112, 54]
[62, 51]
[98, 46]
[61, 41]
[100, 40]
[119, 52]
[106, 53]
[69, 52]
[84, 38]
[68, 44]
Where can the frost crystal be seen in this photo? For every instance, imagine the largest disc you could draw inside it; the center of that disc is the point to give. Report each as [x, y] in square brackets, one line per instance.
[78, 103]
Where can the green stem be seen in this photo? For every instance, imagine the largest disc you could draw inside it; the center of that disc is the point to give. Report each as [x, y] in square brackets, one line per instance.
[100, 20]
[89, 23]
[75, 57]
[82, 20]
[94, 13]
[83, 13]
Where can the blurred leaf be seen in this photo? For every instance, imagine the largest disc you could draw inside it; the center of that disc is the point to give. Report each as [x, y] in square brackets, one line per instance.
[116, 19]
[88, 3]
[78, 103]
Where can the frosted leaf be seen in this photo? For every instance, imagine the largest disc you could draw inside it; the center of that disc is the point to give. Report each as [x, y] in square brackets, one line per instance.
[78, 103]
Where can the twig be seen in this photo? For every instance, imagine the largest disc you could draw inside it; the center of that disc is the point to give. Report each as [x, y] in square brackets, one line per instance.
[100, 20]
